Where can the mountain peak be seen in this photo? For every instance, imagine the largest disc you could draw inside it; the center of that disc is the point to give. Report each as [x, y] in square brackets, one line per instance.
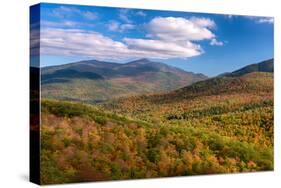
[112, 80]
[264, 66]
[144, 60]
[141, 61]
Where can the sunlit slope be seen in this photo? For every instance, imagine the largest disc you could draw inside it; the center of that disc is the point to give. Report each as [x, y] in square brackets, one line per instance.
[97, 81]
[252, 87]
[84, 143]
[239, 107]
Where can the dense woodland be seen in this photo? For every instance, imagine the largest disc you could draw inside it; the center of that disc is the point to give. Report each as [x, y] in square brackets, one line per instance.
[221, 125]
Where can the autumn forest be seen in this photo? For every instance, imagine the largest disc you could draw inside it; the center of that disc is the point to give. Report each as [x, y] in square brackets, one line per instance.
[188, 125]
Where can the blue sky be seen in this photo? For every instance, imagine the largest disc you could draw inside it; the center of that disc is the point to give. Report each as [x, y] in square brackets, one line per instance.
[203, 43]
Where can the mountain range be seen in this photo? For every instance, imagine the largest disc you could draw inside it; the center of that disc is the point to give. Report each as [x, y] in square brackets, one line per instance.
[94, 81]
[97, 81]
[250, 87]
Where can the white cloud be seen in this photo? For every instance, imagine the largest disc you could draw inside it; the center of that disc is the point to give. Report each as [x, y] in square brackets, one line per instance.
[169, 37]
[203, 22]
[179, 29]
[215, 42]
[265, 20]
[261, 20]
[35, 39]
[165, 49]
[124, 16]
[118, 27]
[65, 24]
[113, 26]
[75, 42]
[64, 12]
[124, 27]
[90, 15]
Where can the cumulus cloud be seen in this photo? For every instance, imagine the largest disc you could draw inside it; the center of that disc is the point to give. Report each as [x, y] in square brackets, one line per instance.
[167, 37]
[165, 49]
[75, 42]
[203, 22]
[179, 29]
[215, 42]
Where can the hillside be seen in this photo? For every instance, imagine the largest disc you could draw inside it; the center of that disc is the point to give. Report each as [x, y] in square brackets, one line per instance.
[94, 81]
[211, 104]
[264, 66]
[85, 143]
[257, 84]
[254, 80]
